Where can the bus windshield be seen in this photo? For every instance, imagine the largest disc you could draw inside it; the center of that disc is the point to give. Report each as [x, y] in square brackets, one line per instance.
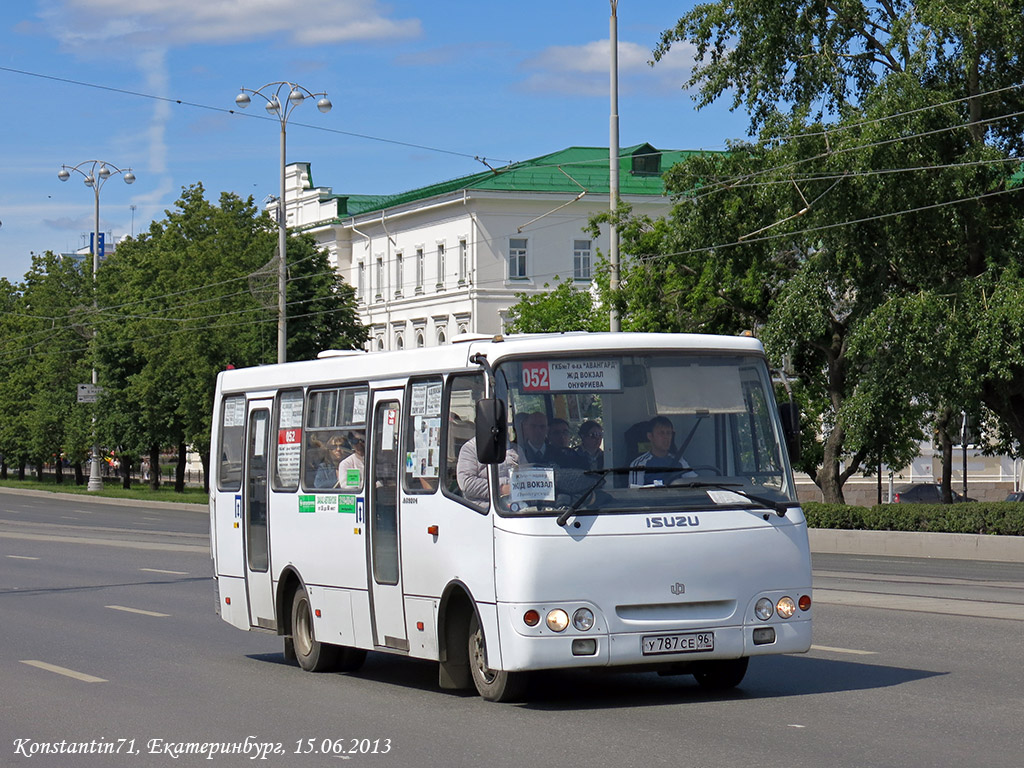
[639, 432]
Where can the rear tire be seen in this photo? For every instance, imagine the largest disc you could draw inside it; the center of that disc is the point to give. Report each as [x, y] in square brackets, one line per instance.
[721, 675]
[312, 655]
[491, 684]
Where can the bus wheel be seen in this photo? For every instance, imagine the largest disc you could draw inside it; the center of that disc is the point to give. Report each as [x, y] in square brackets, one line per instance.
[722, 675]
[312, 655]
[491, 684]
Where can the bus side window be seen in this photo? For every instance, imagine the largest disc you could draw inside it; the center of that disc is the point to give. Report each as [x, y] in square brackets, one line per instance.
[334, 416]
[423, 436]
[460, 427]
[288, 443]
[232, 443]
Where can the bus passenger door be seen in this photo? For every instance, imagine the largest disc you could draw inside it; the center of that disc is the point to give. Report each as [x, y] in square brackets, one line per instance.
[256, 517]
[387, 604]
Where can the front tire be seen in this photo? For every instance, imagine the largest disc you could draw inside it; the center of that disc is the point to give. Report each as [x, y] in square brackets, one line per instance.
[722, 675]
[491, 684]
[312, 655]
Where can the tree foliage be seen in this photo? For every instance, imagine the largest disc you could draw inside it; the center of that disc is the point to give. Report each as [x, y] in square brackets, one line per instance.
[176, 305]
[566, 308]
[882, 175]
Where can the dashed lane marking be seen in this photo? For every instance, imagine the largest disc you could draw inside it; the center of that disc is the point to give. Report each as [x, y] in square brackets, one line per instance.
[138, 610]
[64, 671]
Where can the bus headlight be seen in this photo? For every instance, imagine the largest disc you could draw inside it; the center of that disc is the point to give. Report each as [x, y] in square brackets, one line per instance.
[557, 620]
[583, 619]
[764, 609]
[785, 607]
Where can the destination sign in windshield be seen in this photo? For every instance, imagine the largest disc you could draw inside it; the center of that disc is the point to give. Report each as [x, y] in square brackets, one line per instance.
[571, 376]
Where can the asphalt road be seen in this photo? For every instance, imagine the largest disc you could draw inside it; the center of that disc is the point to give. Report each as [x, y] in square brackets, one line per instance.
[109, 636]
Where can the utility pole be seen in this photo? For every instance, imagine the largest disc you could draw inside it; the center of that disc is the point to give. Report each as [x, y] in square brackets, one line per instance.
[615, 323]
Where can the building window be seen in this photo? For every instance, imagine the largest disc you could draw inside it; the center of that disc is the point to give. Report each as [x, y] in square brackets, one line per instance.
[440, 266]
[361, 277]
[399, 341]
[379, 277]
[441, 338]
[581, 260]
[463, 262]
[419, 270]
[517, 258]
[399, 273]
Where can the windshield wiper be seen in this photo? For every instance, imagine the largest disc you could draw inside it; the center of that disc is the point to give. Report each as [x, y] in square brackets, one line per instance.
[567, 512]
[779, 507]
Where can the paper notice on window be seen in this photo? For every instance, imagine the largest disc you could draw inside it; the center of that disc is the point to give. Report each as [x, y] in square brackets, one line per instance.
[529, 484]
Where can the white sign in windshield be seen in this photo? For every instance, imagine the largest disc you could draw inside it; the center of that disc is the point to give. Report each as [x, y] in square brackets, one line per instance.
[571, 376]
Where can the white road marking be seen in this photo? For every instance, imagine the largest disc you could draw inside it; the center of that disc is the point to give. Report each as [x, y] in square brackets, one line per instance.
[158, 570]
[64, 671]
[22, 557]
[830, 649]
[137, 610]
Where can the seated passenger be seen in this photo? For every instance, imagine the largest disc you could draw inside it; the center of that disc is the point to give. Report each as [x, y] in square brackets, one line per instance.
[590, 454]
[327, 470]
[473, 476]
[661, 436]
[354, 461]
[558, 450]
[532, 437]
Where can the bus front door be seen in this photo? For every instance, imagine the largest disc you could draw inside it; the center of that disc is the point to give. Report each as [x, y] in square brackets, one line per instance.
[256, 517]
[384, 543]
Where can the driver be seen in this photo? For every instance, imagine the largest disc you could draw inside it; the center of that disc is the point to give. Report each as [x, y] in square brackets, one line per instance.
[661, 436]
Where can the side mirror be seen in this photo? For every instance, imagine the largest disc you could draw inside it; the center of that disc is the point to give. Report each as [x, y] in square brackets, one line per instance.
[789, 413]
[491, 430]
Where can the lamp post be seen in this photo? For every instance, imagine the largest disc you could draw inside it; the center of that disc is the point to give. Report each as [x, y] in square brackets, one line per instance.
[95, 177]
[614, 322]
[282, 109]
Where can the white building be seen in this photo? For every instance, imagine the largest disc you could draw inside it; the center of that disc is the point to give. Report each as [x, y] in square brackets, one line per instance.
[450, 258]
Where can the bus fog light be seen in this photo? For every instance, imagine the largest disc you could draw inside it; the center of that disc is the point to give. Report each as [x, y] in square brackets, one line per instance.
[764, 635]
[785, 607]
[583, 619]
[557, 620]
[584, 646]
[764, 609]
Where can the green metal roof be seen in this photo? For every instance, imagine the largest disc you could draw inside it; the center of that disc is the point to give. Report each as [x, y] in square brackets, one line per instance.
[568, 171]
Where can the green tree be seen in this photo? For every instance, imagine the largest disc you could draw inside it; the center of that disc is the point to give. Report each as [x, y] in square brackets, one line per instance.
[566, 308]
[820, 224]
[191, 297]
[45, 356]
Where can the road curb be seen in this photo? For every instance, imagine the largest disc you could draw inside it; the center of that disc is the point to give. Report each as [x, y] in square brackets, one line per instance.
[952, 546]
[182, 506]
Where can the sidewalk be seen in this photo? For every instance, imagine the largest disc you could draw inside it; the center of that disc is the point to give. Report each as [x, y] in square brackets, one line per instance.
[953, 546]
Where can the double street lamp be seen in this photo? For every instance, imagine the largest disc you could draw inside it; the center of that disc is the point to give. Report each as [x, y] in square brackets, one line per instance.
[296, 94]
[95, 174]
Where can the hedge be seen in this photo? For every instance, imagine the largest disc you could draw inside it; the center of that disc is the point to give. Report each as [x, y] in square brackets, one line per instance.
[998, 517]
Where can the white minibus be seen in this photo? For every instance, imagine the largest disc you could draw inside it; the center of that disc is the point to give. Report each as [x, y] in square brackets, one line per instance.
[504, 505]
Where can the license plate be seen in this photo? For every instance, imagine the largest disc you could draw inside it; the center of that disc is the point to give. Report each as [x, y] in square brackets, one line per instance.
[684, 643]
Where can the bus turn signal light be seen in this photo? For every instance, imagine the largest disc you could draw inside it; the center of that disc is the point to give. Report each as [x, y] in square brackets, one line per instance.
[531, 618]
[805, 602]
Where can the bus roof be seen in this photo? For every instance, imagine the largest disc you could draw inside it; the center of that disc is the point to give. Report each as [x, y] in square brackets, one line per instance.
[350, 365]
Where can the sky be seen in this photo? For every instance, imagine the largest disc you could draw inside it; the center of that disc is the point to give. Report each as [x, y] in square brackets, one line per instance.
[419, 91]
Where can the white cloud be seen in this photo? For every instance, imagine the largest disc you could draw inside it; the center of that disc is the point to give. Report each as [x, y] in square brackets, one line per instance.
[81, 24]
[584, 69]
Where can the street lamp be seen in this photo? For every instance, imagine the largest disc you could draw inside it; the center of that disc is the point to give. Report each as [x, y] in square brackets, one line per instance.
[95, 177]
[282, 109]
